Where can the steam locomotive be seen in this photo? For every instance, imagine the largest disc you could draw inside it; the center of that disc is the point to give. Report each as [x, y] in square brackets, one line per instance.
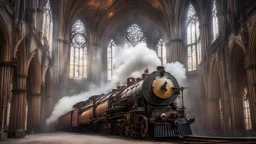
[146, 107]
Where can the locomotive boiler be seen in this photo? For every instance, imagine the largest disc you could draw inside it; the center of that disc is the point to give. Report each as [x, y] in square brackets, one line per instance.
[146, 107]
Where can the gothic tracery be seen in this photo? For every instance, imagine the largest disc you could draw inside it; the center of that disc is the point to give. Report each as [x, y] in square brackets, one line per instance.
[78, 51]
[134, 35]
[193, 39]
[48, 25]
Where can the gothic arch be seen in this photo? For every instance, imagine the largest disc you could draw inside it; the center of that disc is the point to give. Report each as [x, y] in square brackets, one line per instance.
[34, 94]
[47, 96]
[31, 57]
[19, 100]
[5, 49]
[214, 98]
[251, 73]
[121, 18]
[16, 47]
[251, 46]
[48, 93]
[34, 69]
[237, 42]
[45, 73]
[237, 82]
[236, 59]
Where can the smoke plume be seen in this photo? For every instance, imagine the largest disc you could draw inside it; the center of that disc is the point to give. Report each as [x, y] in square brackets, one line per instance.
[130, 61]
[178, 71]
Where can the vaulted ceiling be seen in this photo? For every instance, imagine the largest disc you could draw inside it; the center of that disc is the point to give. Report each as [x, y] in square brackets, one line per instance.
[101, 15]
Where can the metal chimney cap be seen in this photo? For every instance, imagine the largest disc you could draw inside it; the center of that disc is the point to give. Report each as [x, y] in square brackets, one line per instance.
[160, 68]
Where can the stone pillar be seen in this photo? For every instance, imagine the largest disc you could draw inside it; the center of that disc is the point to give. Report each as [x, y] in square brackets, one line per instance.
[63, 58]
[236, 100]
[203, 99]
[48, 98]
[214, 115]
[49, 105]
[225, 88]
[95, 67]
[18, 107]
[251, 76]
[226, 108]
[34, 105]
[43, 107]
[205, 41]
[5, 82]
[34, 97]
[175, 50]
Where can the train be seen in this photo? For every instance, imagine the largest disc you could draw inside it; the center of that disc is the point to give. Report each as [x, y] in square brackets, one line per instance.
[145, 107]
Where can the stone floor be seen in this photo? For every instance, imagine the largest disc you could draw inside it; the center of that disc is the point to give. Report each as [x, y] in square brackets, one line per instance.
[72, 138]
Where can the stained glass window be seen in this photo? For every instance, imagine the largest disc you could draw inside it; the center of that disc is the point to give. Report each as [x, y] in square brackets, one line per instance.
[215, 23]
[78, 51]
[161, 51]
[47, 33]
[247, 114]
[110, 56]
[134, 35]
[193, 39]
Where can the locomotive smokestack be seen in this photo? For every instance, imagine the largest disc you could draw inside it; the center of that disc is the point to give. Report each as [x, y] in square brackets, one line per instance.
[159, 68]
[138, 79]
[130, 81]
[145, 75]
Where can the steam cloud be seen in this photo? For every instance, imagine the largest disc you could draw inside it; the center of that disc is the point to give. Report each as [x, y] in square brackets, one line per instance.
[129, 61]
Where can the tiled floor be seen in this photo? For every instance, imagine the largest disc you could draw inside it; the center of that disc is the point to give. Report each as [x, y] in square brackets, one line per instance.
[72, 138]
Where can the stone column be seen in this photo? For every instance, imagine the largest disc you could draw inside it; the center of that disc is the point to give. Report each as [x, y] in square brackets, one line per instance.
[6, 73]
[34, 98]
[49, 105]
[18, 107]
[43, 107]
[48, 99]
[225, 99]
[251, 76]
[236, 100]
[175, 50]
[95, 67]
[226, 107]
[34, 105]
[214, 115]
[205, 41]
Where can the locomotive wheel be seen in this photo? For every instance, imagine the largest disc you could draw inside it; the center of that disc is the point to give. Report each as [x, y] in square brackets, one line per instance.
[143, 126]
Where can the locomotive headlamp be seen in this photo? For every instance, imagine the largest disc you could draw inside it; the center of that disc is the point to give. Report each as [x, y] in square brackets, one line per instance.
[162, 87]
[163, 116]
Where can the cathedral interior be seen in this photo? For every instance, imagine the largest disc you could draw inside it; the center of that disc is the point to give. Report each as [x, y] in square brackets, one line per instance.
[55, 48]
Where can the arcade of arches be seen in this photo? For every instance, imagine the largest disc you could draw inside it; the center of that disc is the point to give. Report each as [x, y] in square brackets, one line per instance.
[53, 48]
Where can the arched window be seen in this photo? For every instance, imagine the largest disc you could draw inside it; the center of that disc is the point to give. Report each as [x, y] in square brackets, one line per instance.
[161, 51]
[110, 57]
[215, 22]
[247, 114]
[47, 33]
[134, 35]
[193, 39]
[78, 51]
